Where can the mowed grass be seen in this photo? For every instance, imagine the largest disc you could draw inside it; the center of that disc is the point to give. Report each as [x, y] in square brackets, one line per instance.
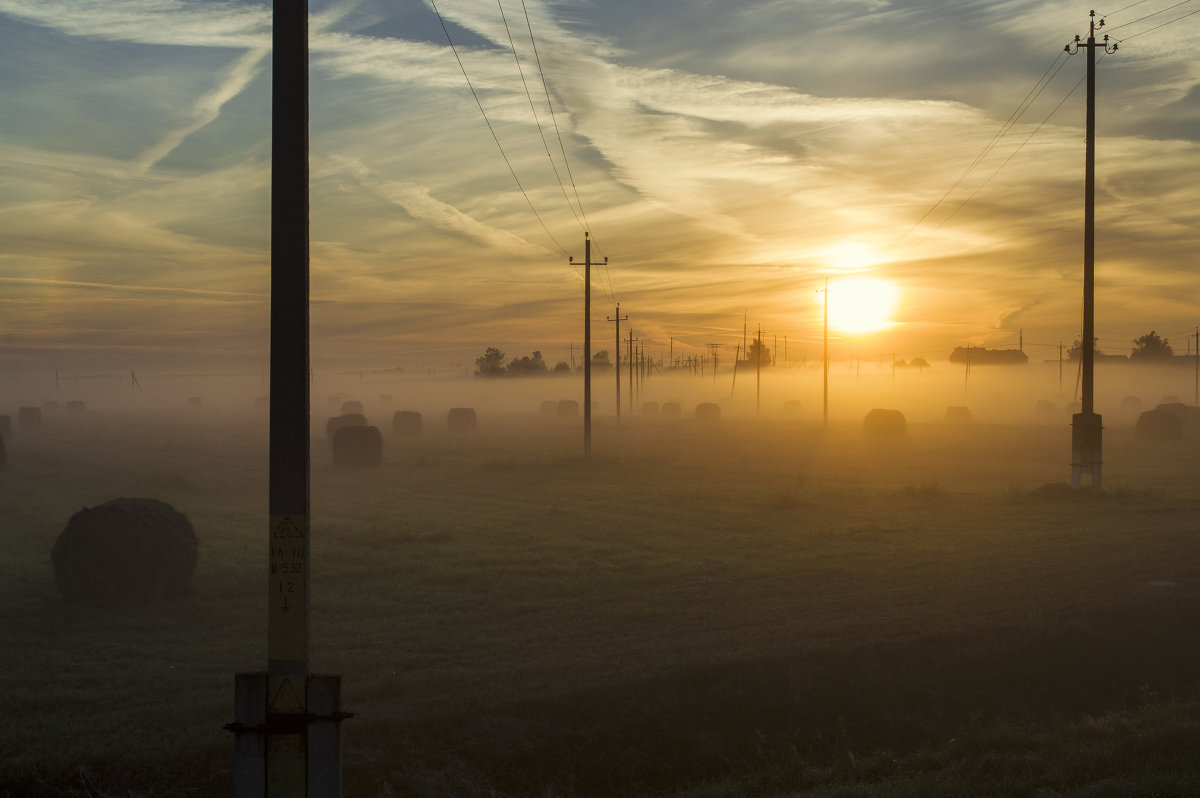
[732, 609]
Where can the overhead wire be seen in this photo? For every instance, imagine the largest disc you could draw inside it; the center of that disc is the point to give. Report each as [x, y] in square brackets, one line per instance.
[492, 129]
[1156, 27]
[1148, 16]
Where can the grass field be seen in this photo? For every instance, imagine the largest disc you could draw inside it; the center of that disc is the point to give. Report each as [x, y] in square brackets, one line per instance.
[742, 608]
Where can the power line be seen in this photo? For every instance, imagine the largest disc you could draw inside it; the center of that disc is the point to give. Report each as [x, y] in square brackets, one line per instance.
[1155, 14]
[1156, 27]
[496, 138]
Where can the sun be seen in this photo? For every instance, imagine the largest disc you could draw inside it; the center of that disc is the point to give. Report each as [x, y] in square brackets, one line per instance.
[860, 305]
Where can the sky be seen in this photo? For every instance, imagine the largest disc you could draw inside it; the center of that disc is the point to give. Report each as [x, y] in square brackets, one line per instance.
[727, 157]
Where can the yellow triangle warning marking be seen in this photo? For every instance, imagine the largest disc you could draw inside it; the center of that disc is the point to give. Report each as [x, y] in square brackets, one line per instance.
[284, 527]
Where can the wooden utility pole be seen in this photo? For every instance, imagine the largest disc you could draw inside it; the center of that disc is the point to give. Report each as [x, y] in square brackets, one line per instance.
[287, 720]
[1086, 426]
[587, 342]
[617, 356]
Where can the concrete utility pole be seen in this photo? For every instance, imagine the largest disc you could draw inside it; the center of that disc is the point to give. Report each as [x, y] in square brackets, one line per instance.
[758, 376]
[617, 356]
[587, 342]
[287, 721]
[1086, 426]
[631, 383]
[825, 361]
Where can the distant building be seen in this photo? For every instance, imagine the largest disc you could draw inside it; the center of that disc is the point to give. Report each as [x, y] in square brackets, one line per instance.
[982, 356]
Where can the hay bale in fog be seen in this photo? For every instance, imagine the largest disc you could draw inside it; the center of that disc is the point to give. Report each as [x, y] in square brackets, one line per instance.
[1159, 425]
[549, 408]
[958, 414]
[50, 407]
[672, 410]
[884, 423]
[650, 408]
[125, 552]
[1131, 403]
[357, 447]
[6, 426]
[406, 423]
[29, 417]
[461, 419]
[346, 420]
[75, 408]
[791, 407]
[708, 411]
[195, 401]
[567, 408]
[1188, 415]
[352, 406]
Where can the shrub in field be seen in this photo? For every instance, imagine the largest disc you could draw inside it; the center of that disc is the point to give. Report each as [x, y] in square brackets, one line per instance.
[347, 420]
[1159, 425]
[461, 419]
[708, 411]
[672, 410]
[352, 406]
[958, 413]
[884, 423]
[125, 552]
[406, 423]
[357, 447]
[29, 417]
[567, 408]
[75, 408]
[549, 408]
[6, 426]
[650, 408]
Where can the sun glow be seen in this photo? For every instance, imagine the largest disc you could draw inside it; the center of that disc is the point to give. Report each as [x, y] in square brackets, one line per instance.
[860, 305]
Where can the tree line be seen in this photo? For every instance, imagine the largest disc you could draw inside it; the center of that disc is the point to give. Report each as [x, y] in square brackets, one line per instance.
[494, 363]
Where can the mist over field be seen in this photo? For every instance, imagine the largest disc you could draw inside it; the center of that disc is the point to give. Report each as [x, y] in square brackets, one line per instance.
[749, 605]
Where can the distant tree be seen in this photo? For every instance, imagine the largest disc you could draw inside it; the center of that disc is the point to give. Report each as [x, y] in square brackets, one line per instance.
[562, 367]
[1076, 350]
[1150, 347]
[757, 353]
[527, 366]
[600, 360]
[490, 363]
[918, 363]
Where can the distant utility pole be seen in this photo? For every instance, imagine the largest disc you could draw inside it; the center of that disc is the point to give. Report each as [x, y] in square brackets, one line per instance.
[631, 340]
[713, 348]
[825, 360]
[133, 380]
[617, 362]
[587, 341]
[758, 376]
[1086, 427]
[1060, 366]
[1196, 387]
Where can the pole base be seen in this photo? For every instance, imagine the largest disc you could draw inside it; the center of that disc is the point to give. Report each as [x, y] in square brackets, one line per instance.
[1087, 432]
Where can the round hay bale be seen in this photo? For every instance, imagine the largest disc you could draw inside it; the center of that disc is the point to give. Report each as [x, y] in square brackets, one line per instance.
[1045, 409]
[6, 426]
[1188, 415]
[125, 552]
[958, 414]
[195, 401]
[672, 410]
[1159, 425]
[567, 408]
[75, 408]
[1131, 403]
[461, 419]
[791, 407]
[357, 447]
[883, 423]
[352, 406]
[549, 408]
[406, 423]
[348, 420]
[29, 417]
[650, 408]
[708, 411]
